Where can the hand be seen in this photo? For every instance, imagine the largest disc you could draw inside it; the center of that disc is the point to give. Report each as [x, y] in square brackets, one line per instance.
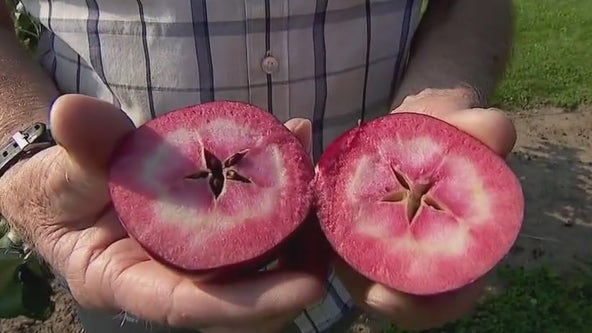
[424, 312]
[60, 199]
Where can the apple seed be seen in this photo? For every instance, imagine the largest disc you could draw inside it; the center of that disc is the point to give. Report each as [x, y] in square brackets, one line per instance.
[218, 172]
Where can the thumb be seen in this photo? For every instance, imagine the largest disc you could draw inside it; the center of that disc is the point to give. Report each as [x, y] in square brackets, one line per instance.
[89, 130]
[490, 126]
[302, 128]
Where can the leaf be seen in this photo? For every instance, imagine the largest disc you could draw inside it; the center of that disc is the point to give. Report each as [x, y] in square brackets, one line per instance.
[25, 288]
[37, 291]
[11, 304]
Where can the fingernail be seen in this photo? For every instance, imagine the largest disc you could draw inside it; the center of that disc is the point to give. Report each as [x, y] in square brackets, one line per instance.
[51, 110]
[305, 124]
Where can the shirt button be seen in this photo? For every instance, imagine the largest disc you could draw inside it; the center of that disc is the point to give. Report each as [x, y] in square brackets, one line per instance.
[270, 64]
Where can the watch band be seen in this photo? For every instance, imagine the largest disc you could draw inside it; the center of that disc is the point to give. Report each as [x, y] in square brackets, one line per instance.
[23, 144]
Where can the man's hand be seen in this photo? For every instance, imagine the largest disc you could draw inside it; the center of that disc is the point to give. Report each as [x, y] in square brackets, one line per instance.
[457, 107]
[494, 129]
[61, 196]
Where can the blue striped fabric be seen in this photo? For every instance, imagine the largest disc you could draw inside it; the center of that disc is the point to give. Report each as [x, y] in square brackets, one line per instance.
[338, 61]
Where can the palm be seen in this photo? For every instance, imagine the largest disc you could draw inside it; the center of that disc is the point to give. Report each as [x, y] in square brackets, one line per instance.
[82, 239]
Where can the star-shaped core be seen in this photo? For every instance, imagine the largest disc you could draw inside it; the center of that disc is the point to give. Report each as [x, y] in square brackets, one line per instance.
[412, 194]
[219, 172]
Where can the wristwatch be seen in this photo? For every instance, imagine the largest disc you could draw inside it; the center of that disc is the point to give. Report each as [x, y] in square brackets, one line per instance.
[24, 144]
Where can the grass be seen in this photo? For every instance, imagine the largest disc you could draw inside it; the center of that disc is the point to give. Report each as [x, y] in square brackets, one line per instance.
[552, 63]
[27, 28]
[538, 300]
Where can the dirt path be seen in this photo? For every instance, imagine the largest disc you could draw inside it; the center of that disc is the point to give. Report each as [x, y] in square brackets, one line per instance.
[553, 158]
[554, 161]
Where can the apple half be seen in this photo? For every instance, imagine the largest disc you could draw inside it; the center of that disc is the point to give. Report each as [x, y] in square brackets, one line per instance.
[416, 204]
[213, 186]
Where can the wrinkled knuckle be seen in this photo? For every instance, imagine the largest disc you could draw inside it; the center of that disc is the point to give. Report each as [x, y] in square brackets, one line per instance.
[496, 111]
[173, 314]
[428, 92]
[409, 99]
[396, 315]
[380, 305]
[403, 316]
[79, 294]
[182, 320]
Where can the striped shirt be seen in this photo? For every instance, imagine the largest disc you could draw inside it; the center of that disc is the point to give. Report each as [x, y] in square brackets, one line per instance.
[332, 61]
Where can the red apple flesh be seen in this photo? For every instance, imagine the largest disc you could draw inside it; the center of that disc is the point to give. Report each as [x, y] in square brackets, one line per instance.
[212, 186]
[417, 205]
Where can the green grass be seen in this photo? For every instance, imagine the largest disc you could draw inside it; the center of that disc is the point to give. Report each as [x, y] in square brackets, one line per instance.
[27, 28]
[552, 62]
[537, 300]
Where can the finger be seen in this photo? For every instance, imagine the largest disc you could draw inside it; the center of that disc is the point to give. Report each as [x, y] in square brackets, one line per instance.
[490, 126]
[436, 102]
[270, 294]
[302, 128]
[89, 129]
[413, 312]
[408, 311]
[151, 291]
[63, 183]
